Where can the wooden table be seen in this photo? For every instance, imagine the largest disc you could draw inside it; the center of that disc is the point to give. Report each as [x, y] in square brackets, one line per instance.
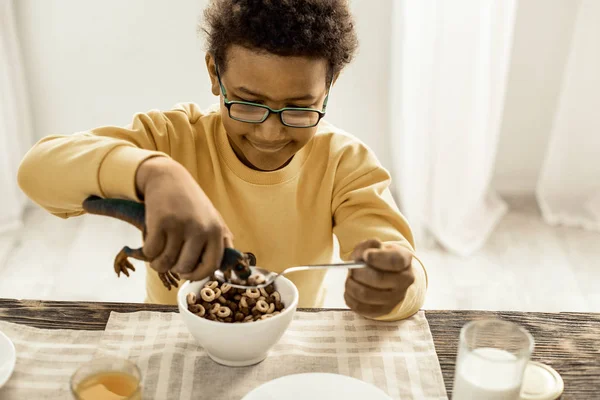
[569, 342]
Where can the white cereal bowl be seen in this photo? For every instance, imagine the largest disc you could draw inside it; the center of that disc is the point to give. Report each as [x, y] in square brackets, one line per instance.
[239, 345]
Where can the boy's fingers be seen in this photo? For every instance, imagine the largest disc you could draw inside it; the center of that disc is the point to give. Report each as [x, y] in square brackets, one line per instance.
[167, 259]
[189, 255]
[213, 255]
[387, 259]
[362, 246]
[211, 260]
[154, 243]
[366, 310]
[366, 294]
[375, 278]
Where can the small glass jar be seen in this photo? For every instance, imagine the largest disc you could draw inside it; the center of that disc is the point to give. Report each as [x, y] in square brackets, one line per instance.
[107, 378]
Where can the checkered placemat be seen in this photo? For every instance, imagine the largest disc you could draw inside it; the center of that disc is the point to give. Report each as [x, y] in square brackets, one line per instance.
[46, 359]
[398, 357]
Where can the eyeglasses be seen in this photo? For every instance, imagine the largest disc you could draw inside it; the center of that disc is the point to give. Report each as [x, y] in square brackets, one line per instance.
[254, 113]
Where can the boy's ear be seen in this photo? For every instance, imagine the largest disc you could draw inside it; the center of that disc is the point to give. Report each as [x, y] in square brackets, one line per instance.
[212, 73]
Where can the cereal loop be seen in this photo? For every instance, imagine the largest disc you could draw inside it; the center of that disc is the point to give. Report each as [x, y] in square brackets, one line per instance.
[191, 298]
[276, 297]
[215, 308]
[262, 306]
[194, 308]
[211, 284]
[226, 287]
[271, 308]
[266, 316]
[264, 293]
[223, 312]
[253, 293]
[198, 309]
[259, 279]
[207, 294]
[202, 311]
[217, 293]
[244, 302]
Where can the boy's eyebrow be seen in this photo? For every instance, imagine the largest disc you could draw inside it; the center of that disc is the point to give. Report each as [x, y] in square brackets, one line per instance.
[307, 96]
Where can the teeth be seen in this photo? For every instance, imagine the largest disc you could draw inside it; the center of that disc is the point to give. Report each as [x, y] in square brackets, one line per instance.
[268, 148]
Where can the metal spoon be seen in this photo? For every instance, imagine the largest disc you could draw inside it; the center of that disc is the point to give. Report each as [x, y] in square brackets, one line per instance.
[271, 276]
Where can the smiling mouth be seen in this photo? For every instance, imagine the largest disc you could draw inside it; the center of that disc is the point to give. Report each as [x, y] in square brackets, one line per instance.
[268, 147]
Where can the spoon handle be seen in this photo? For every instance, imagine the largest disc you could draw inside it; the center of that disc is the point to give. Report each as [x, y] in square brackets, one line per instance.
[349, 265]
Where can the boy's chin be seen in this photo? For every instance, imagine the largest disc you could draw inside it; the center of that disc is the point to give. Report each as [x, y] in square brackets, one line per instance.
[267, 166]
[267, 163]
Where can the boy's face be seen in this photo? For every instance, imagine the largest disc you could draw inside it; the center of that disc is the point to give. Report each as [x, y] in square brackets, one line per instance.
[274, 81]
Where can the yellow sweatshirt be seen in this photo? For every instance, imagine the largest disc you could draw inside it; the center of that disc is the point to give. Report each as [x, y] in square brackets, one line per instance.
[333, 185]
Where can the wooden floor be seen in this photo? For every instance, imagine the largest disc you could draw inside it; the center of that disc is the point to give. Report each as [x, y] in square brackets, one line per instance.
[525, 266]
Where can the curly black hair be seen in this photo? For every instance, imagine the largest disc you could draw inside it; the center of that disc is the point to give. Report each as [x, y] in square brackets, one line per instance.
[309, 28]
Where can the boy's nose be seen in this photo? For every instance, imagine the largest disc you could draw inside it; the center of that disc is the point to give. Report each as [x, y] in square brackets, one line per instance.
[271, 130]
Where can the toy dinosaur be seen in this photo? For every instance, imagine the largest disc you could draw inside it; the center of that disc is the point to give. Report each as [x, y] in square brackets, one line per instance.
[134, 213]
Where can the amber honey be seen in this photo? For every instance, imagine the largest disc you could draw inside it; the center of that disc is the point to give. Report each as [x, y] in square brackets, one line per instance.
[109, 385]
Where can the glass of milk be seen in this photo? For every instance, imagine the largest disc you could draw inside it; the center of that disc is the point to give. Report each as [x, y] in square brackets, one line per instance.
[491, 360]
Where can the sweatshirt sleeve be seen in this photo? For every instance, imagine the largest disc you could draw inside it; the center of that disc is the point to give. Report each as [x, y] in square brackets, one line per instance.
[60, 171]
[363, 208]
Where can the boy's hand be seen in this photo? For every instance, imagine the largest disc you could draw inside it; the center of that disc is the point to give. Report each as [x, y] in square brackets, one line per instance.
[182, 224]
[375, 291]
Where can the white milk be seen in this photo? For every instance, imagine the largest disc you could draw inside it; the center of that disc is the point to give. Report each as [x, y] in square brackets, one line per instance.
[489, 374]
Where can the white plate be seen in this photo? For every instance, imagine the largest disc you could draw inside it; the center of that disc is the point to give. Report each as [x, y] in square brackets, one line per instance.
[8, 358]
[316, 386]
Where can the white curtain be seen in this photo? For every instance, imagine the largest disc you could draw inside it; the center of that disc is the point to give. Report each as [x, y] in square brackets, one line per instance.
[15, 119]
[449, 63]
[569, 188]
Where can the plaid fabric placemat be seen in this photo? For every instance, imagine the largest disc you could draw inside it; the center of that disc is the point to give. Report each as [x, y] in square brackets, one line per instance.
[398, 357]
[46, 359]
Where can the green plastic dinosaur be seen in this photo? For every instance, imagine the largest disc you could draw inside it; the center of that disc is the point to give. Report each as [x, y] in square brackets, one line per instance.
[134, 213]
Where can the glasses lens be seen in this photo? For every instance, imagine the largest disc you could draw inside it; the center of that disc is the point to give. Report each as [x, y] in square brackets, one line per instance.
[300, 118]
[247, 112]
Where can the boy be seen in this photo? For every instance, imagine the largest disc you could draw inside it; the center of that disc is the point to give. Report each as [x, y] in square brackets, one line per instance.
[262, 169]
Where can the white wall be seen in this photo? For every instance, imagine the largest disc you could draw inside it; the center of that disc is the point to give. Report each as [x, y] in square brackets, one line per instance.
[542, 38]
[93, 63]
[360, 100]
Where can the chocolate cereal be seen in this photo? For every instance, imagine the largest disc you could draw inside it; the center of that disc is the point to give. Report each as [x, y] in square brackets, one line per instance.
[223, 303]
